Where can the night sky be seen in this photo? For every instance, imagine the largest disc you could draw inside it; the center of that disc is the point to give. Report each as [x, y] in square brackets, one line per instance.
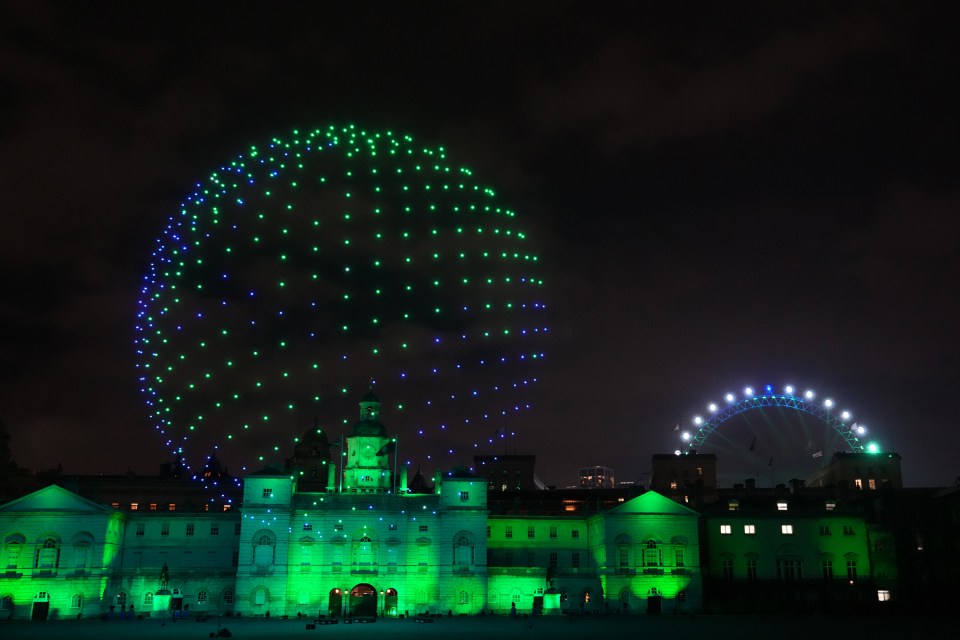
[720, 195]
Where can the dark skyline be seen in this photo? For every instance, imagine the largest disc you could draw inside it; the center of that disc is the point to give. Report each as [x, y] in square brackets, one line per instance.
[723, 196]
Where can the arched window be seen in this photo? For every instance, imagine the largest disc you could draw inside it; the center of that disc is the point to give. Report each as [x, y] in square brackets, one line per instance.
[263, 549]
[121, 599]
[652, 554]
[76, 601]
[201, 597]
[6, 603]
[228, 597]
[463, 551]
[364, 554]
[260, 597]
[48, 554]
[148, 600]
[463, 598]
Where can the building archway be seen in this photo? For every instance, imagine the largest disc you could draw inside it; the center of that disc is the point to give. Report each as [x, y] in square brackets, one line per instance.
[363, 600]
[335, 608]
[41, 606]
[390, 603]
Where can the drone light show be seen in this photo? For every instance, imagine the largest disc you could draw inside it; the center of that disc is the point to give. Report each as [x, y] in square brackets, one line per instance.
[310, 267]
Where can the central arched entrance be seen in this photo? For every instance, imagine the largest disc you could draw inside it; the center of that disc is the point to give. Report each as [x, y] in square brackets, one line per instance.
[363, 600]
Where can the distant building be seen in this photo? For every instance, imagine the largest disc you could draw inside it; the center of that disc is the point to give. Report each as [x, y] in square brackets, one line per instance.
[596, 478]
[860, 471]
[509, 472]
[689, 478]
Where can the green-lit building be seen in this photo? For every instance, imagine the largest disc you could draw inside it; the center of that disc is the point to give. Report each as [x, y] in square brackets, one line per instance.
[361, 543]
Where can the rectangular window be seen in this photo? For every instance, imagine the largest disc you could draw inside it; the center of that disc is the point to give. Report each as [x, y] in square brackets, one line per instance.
[789, 570]
[750, 529]
[268, 493]
[781, 506]
[752, 570]
[392, 527]
[847, 530]
[575, 560]
[827, 568]
[727, 569]
[214, 529]
[678, 557]
[338, 527]
[134, 506]
[733, 505]
[191, 528]
[726, 529]
[553, 531]
[140, 529]
[553, 559]
[172, 506]
[786, 529]
[530, 533]
[424, 527]
[871, 484]
[153, 506]
[883, 595]
[831, 506]
[858, 483]
[115, 505]
[851, 570]
[227, 507]
[575, 533]
[464, 496]
[824, 529]
[623, 557]
[509, 532]
[307, 526]
[165, 529]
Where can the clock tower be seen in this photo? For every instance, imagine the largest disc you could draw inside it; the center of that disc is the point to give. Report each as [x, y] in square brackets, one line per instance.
[367, 463]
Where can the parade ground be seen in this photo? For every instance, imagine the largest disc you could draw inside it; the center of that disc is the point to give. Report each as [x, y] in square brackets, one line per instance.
[667, 627]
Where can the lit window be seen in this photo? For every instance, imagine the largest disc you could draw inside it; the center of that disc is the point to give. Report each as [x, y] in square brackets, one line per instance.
[227, 507]
[871, 484]
[134, 506]
[786, 529]
[153, 506]
[831, 505]
[726, 529]
[115, 505]
[883, 595]
[673, 484]
[733, 505]
[750, 529]
[858, 483]
[781, 506]
[172, 506]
